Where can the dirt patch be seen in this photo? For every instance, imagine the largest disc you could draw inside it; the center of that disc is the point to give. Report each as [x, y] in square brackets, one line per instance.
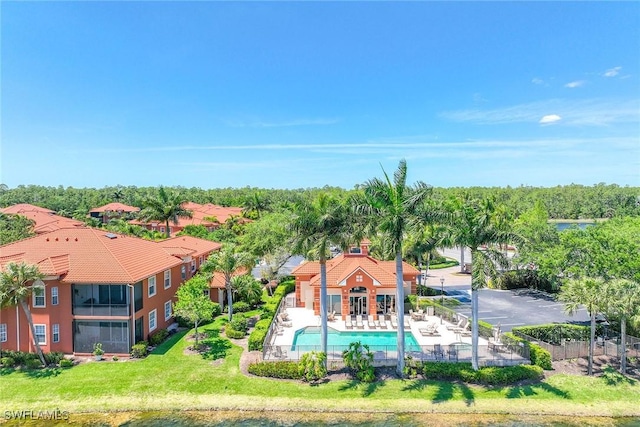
[601, 364]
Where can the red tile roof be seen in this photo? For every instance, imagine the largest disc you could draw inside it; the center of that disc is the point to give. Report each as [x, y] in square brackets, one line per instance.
[88, 255]
[201, 215]
[343, 266]
[46, 222]
[188, 245]
[115, 207]
[24, 207]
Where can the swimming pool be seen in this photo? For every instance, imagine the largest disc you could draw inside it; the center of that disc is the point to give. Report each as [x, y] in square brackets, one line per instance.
[382, 340]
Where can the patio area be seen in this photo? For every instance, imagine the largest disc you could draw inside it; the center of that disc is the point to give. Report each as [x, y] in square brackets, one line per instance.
[435, 340]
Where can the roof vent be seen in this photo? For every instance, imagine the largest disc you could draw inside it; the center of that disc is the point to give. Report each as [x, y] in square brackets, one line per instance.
[111, 235]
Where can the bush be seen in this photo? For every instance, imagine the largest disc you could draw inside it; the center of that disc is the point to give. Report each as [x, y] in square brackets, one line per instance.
[158, 337]
[312, 366]
[485, 329]
[33, 364]
[538, 355]
[239, 323]
[53, 358]
[217, 310]
[286, 370]
[19, 357]
[241, 307]
[66, 363]
[491, 375]
[115, 358]
[139, 350]
[554, 333]
[263, 323]
[359, 359]
[7, 362]
[232, 333]
[256, 339]
[519, 279]
[426, 291]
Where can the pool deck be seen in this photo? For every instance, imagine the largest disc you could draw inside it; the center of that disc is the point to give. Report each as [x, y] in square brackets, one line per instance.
[447, 345]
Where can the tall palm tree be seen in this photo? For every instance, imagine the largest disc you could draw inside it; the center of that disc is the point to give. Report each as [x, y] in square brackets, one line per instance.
[255, 205]
[315, 226]
[166, 207]
[17, 283]
[230, 263]
[623, 300]
[589, 292]
[422, 243]
[473, 226]
[392, 207]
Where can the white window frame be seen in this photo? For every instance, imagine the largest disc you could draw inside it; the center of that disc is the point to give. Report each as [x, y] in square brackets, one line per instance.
[167, 279]
[43, 296]
[167, 304]
[44, 334]
[54, 296]
[55, 332]
[151, 283]
[3, 332]
[153, 315]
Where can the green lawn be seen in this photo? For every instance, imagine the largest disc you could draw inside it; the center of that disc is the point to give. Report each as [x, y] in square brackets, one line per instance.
[168, 379]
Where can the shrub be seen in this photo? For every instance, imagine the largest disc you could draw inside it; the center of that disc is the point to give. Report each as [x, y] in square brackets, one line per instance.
[66, 363]
[33, 364]
[7, 362]
[538, 355]
[312, 366]
[115, 358]
[286, 370]
[139, 350]
[491, 375]
[425, 291]
[263, 323]
[556, 332]
[232, 333]
[525, 279]
[256, 339]
[19, 357]
[217, 310]
[241, 307]
[359, 360]
[485, 329]
[157, 337]
[53, 358]
[239, 323]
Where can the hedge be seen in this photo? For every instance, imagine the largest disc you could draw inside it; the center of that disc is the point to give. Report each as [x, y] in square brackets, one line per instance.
[286, 370]
[259, 333]
[490, 375]
[538, 355]
[554, 333]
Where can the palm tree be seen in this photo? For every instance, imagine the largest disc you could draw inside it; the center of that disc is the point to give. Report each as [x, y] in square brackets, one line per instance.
[17, 283]
[165, 207]
[230, 263]
[589, 292]
[422, 243]
[255, 205]
[623, 300]
[315, 226]
[473, 226]
[392, 207]
[247, 288]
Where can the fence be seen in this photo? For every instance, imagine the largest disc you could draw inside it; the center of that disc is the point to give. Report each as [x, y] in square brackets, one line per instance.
[576, 349]
[493, 354]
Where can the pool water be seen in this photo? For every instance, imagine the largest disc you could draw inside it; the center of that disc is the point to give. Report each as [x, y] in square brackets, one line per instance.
[310, 336]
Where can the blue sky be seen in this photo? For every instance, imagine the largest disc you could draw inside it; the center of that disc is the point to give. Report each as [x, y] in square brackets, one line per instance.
[300, 94]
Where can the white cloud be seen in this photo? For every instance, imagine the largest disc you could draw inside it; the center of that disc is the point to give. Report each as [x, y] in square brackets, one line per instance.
[612, 72]
[549, 118]
[575, 84]
[537, 81]
[589, 112]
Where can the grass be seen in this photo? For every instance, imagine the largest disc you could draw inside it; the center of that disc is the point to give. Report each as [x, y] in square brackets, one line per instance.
[170, 380]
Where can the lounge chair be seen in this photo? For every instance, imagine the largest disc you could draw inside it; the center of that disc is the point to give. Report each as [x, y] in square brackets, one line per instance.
[430, 331]
[406, 323]
[331, 316]
[394, 322]
[459, 325]
[280, 353]
[373, 324]
[347, 323]
[359, 323]
[382, 321]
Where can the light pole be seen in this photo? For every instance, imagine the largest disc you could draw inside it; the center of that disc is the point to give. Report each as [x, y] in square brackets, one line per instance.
[441, 297]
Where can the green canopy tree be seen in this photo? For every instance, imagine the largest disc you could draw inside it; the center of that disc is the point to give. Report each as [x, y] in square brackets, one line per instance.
[591, 293]
[391, 207]
[314, 227]
[193, 304]
[165, 207]
[14, 228]
[247, 289]
[18, 282]
[623, 301]
[229, 262]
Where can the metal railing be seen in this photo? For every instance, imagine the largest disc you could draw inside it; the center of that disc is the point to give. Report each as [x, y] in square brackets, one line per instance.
[488, 355]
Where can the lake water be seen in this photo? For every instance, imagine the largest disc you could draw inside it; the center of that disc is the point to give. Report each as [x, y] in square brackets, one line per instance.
[310, 336]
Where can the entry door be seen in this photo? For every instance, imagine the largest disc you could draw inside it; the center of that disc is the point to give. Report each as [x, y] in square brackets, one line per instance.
[358, 305]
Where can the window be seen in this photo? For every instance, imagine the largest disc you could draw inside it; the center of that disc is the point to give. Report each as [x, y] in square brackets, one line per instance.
[54, 295]
[152, 320]
[183, 272]
[38, 296]
[167, 279]
[200, 260]
[207, 293]
[193, 266]
[55, 332]
[162, 229]
[152, 286]
[167, 310]
[359, 278]
[3, 332]
[41, 334]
